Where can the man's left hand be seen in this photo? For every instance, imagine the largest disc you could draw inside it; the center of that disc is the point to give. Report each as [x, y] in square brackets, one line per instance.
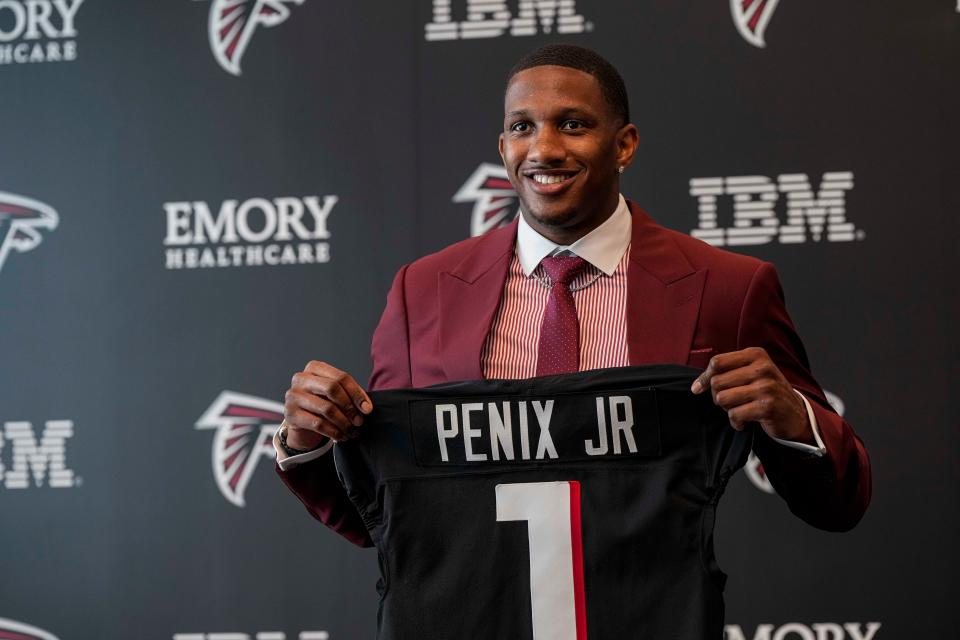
[750, 388]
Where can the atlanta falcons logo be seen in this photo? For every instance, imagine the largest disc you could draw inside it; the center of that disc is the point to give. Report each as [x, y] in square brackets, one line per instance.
[751, 18]
[19, 631]
[494, 200]
[754, 468]
[232, 23]
[21, 222]
[245, 426]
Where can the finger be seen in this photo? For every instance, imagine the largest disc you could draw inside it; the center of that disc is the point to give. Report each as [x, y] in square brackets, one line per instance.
[763, 393]
[740, 377]
[724, 362]
[703, 380]
[358, 396]
[319, 406]
[329, 389]
[306, 421]
[320, 368]
[734, 397]
[334, 414]
[742, 415]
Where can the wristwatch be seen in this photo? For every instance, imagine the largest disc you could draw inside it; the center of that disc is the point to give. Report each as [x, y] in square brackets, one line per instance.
[290, 451]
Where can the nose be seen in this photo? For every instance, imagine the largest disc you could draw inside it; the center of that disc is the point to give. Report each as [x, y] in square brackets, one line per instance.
[546, 148]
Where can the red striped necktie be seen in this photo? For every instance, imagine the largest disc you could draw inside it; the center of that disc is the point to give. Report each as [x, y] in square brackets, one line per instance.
[559, 347]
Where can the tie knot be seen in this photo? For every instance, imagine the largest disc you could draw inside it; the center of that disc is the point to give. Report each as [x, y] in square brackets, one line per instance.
[563, 269]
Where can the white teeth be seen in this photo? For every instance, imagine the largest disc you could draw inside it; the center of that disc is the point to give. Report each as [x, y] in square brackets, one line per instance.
[545, 179]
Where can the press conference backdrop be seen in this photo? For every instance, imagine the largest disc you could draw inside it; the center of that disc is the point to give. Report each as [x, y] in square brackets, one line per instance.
[197, 197]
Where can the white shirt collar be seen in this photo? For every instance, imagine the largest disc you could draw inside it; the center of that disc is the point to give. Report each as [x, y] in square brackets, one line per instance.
[603, 247]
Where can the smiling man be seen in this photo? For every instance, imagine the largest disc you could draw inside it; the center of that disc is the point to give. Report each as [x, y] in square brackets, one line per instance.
[585, 279]
[566, 137]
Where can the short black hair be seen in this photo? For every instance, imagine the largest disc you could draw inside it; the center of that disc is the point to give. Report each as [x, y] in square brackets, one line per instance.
[582, 59]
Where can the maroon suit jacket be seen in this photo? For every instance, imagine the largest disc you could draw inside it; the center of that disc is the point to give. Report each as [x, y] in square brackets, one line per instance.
[686, 301]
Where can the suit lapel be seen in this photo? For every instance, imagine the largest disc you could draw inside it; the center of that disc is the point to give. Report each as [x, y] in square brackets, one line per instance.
[663, 298]
[469, 297]
[663, 295]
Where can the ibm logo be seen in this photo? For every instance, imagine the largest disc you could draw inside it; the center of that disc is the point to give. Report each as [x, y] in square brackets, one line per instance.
[39, 462]
[819, 215]
[492, 18]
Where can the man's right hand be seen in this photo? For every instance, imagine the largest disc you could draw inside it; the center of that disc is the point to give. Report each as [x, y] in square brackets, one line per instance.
[323, 402]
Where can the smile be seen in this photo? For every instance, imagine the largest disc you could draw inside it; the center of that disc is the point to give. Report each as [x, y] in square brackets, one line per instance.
[550, 182]
[549, 179]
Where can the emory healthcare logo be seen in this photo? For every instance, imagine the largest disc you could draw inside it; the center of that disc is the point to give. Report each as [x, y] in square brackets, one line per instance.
[232, 23]
[244, 434]
[252, 233]
[492, 18]
[799, 631]
[36, 461]
[495, 203]
[22, 221]
[20, 631]
[821, 215]
[38, 31]
[753, 467]
[752, 17]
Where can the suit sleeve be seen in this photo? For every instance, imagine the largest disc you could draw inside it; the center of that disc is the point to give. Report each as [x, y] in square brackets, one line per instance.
[315, 483]
[390, 347]
[829, 492]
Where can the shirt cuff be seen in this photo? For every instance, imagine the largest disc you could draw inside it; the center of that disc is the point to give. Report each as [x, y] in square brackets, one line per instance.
[818, 450]
[286, 462]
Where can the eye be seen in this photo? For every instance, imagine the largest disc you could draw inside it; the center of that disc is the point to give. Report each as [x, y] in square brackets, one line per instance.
[571, 125]
[520, 127]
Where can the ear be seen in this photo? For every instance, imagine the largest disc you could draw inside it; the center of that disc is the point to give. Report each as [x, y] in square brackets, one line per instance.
[500, 147]
[628, 139]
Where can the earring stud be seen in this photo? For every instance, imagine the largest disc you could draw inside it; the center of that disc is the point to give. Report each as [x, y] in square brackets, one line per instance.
[620, 169]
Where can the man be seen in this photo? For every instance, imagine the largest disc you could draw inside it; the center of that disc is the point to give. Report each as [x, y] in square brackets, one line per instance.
[635, 293]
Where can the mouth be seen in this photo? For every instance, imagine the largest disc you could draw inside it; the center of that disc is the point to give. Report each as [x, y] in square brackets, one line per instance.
[548, 182]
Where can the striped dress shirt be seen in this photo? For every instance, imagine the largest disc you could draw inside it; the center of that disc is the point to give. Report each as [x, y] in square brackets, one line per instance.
[600, 297]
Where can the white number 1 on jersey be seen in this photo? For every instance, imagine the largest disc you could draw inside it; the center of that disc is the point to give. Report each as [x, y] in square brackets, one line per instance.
[552, 512]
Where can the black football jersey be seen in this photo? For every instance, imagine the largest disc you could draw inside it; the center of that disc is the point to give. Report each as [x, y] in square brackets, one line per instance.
[557, 508]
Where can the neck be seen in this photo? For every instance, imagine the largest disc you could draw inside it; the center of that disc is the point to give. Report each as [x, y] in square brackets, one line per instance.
[566, 235]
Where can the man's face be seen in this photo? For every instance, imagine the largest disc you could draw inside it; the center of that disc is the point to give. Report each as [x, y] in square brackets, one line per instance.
[561, 145]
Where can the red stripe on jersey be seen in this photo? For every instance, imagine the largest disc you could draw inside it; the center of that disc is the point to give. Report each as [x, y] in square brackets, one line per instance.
[576, 545]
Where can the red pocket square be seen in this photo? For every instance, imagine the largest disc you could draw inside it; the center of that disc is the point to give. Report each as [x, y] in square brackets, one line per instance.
[700, 358]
